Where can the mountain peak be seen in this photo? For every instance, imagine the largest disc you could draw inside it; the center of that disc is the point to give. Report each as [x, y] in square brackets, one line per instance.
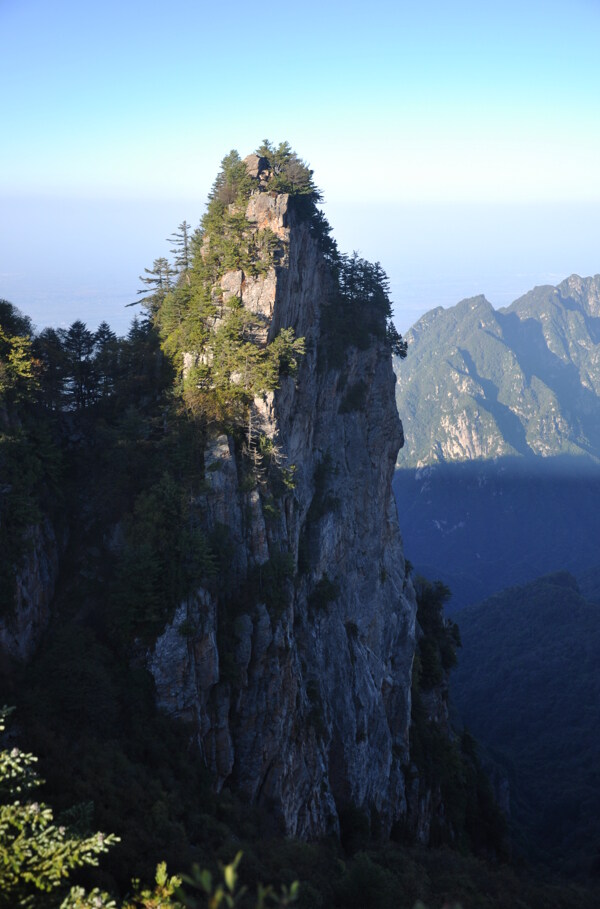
[473, 303]
[525, 380]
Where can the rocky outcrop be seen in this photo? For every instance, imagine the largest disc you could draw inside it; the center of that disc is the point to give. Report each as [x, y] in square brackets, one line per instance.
[522, 381]
[21, 629]
[298, 680]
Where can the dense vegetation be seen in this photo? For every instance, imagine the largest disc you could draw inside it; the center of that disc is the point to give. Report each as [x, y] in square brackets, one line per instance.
[215, 343]
[111, 762]
[40, 856]
[106, 437]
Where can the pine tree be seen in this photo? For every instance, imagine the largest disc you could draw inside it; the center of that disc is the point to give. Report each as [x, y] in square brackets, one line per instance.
[182, 243]
[158, 281]
[78, 345]
[49, 348]
[233, 183]
[106, 359]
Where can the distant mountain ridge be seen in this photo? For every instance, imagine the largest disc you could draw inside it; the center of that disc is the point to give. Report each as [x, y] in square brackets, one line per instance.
[481, 383]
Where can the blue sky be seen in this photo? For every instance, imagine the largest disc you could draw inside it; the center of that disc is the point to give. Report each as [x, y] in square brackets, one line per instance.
[457, 143]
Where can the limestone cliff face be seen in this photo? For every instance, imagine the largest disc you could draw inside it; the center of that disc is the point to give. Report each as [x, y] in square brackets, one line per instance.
[303, 706]
[22, 628]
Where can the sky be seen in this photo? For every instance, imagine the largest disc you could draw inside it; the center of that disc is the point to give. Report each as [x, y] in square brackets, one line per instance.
[457, 143]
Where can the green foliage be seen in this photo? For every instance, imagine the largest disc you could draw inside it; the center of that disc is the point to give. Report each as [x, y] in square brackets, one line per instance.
[470, 817]
[165, 554]
[18, 367]
[232, 184]
[81, 371]
[367, 886]
[227, 893]
[30, 463]
[358, 311]
[80, 386]
[355, 828]
[30, 466]
[158, 281]
[37, 856]
[182, 243]
[398, 344]
[288, 173]
[227, 360]
[437, 646]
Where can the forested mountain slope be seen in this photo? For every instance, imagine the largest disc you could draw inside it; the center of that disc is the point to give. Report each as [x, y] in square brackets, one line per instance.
[258, 559]
[227, 652]
[485, 383]
[499, 477]
[528, 687]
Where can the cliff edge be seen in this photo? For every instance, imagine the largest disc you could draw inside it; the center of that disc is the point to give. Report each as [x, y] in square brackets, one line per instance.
[296, 672]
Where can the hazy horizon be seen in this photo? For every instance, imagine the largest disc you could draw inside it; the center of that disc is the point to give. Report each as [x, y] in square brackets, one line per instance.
[458, 145]
[89, 253]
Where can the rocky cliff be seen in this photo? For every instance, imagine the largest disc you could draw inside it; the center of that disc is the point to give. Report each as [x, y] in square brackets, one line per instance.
[523, 381]
[297, 678]
[500, 478]
[35, 579]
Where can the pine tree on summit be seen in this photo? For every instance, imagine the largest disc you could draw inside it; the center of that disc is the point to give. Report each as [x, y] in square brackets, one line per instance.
[289, 173]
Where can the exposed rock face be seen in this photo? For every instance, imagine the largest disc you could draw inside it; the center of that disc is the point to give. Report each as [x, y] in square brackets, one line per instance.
[522, 381]
[256, 165]
[304, 704]
[20, 631]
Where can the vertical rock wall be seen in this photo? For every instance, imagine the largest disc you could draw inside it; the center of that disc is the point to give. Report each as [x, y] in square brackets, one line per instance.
[22, 628]
[304, 707]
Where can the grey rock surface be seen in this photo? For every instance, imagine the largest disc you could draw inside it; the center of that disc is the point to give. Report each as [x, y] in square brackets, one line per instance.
[304, 707]
[22, 628]
[523, 381]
